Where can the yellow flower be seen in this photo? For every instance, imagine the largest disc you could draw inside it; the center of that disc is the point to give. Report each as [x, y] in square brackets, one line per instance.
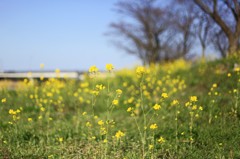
[174, 102]
[42, 109]
[156, 107]
[84, 84]
[100, 122]
[96, 93]
[49, 94]
[164, 95]
[84, 113]
[150, 147]
[119, 91]
[57, 70]
[60, 139]
[194, 107]
[105, 141]
[103, 131]
[129, 109]
[93, 69]
[119, 134]
[187, 104]
[30, 119]
[100, 87]
[214, 85]
[229, 74]
[140, 71]
[41, 65]
[88, 124]
[193, 98]
[115, 102]
[4, 100]
[109, 67]
[161, 140]
[12, 112]
[41, 77]
[153, 126]
[237, 69]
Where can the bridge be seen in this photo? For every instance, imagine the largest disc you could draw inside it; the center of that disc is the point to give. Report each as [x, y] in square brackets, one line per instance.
[41, 74]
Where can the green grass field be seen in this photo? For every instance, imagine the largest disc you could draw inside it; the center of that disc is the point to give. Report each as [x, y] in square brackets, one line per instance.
[177, 110]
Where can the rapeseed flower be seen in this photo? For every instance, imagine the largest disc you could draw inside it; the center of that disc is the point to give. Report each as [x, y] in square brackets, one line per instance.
[12, 112]
[109, 67]
[4, 100]
[140, 71]
[41, 65]
[88, 124]
[237, 69]
[193, 98]
[161, 140]
[175, 102]
[103, 131]
[100, 122]
[115, 102]
[119, 134]
[194, 107]
[30, 119]
[100, 87]
[93, 69]
[156, 107]
[42, 109]
[150, 147]
[60, 139]
[129, 109]
[187, 104]
[214, 85]
[105, 141]
[153, 126]
[119, 91]
[164, 95]
[57, 70]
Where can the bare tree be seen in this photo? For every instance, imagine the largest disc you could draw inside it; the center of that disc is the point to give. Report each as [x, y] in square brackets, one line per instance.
[203, 27]
[183, 18]
[226, 14]
[220, 42]
[151, 32]
[143, 32]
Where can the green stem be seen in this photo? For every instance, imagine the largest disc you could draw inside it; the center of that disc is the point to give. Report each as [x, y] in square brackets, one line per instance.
[191, 127]
[176, 119]
[144, 119]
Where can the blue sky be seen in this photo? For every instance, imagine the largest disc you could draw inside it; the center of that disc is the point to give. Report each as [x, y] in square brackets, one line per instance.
[64, 34]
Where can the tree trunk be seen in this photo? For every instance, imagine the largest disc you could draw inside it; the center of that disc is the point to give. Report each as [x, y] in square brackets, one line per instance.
[233, 46]
[203, 52]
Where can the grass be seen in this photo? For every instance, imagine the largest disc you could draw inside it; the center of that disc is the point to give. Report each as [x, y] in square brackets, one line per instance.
[176, 110]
